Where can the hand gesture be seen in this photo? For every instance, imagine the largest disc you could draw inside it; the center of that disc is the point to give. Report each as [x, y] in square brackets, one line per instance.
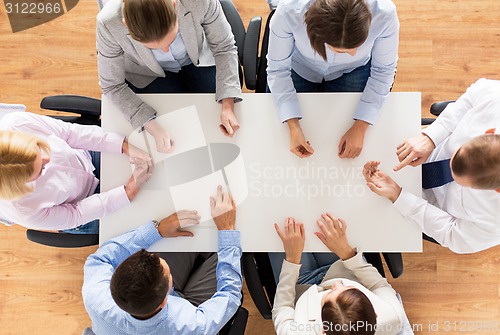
[298, 144]
[171, 225]
[293, 239]
[137, 156]
[223, 210]
[229, 125]
[162, 138]
[380, 183]
[351, 143]
[333, 235]
[414, 151]
[140, 175]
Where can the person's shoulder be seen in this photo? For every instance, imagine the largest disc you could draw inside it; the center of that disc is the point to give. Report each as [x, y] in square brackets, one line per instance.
[19, 118]
[111, 12]
[385, 8]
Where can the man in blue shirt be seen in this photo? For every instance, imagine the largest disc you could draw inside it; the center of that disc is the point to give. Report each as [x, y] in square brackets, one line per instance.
[128, 290]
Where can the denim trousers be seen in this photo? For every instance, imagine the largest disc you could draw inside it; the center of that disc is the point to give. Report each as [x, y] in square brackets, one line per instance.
[314, 267]
[354, 81]
[190, 79]
[91, 227]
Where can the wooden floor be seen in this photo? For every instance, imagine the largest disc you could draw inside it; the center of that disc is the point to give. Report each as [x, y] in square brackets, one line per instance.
[444, 47]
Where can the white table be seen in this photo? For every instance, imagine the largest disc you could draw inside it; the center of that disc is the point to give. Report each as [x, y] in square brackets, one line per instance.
[268, 182]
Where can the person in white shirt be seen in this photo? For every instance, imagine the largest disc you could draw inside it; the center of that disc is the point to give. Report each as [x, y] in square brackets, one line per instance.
[464, 214]
[332, 46]
[352, 296]
[49, 172]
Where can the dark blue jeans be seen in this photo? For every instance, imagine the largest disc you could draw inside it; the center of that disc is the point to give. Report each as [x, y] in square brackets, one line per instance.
[354, 81]
[190, 79]
[314, 267]
[91, 227]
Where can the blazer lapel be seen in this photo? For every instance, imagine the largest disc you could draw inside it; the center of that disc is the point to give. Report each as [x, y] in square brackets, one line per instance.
[147, 57]
[188, 32]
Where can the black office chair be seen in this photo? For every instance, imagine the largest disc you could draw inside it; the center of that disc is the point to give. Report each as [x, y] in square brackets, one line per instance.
[247, 42]
[88, 112]
[261, 285]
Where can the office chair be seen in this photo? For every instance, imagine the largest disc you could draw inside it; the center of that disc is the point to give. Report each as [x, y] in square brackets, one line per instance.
[89, 112]
[247, 42]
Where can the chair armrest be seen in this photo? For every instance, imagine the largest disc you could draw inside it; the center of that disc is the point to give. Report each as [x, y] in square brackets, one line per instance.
[254, 284]
[394, 261]
[85, 106]
[62, 240]
[239, 322]
[425, 121]
[251, 52]
[438, 107]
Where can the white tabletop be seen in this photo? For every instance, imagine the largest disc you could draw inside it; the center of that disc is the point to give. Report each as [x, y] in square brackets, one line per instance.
[267, 181]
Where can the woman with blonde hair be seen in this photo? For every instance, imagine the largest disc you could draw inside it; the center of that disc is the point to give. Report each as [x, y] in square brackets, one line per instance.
[49, 173]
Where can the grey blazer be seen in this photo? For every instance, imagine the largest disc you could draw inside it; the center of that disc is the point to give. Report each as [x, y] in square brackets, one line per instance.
[205, 32]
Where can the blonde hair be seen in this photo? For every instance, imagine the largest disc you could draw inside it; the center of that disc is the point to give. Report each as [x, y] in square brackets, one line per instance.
[18, 152]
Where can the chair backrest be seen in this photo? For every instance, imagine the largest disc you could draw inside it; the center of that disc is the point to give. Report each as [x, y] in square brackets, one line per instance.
[247, 41]
[262, 66]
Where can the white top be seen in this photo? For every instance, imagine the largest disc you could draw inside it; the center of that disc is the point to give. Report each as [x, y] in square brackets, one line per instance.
[305, 317]
[461, 218]
[63, 196]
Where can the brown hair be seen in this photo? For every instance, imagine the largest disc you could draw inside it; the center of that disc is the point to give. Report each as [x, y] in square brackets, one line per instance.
[342, 24]
[352, 313]
[479, 160]
[149, 20]
[18, 152]
[139, 284]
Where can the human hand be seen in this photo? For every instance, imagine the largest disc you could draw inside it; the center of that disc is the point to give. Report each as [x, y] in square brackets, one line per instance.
[293, 239]
[223, 210]
[171, 225]
[229, 124]
[414, 151]
[380, 183]
[140, 175]
[333, 235]
[351, 143]
[298, 144]
[162, 139]
[137, 156]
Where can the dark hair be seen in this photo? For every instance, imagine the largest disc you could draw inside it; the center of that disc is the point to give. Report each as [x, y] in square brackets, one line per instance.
[149, 20]
[341, 24]
[352, 313]
[139, 285]
[479, 161]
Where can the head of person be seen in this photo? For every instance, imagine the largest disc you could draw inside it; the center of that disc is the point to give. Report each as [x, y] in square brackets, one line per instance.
[22, 160]
[476, 163]
[347, 311]
[151, 22]
[341, 25]
[140, 284]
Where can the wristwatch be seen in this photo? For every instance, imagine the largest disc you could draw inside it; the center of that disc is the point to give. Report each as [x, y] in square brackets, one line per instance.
[157, 224]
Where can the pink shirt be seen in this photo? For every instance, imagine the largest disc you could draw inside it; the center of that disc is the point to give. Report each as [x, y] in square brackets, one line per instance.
[63, 196]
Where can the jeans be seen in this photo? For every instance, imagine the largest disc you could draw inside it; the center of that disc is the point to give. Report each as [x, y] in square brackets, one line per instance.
[91, 227]
[190, 79]
[314, 267]
[354, 81]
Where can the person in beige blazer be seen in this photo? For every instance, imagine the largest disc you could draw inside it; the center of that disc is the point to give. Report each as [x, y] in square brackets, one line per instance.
[166, 46]
[352, 298]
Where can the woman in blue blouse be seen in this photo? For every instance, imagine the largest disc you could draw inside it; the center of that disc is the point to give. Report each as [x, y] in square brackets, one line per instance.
[332, 46]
